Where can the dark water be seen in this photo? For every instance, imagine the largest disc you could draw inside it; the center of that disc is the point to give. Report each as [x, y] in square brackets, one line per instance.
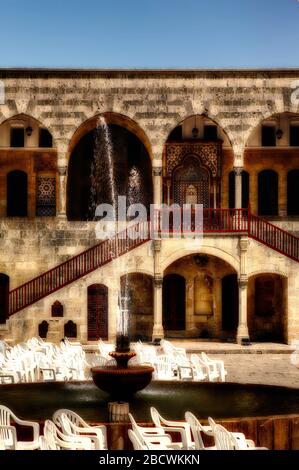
[220, 400]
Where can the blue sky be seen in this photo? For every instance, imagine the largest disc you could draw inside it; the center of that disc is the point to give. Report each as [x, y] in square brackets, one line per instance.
[149, 33]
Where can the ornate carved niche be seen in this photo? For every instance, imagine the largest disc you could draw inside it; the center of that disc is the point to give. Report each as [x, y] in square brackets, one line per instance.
[193, 167]
[57, 309]
[209, 154]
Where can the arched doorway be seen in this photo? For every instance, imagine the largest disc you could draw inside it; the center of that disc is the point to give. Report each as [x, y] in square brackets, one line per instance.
[174, 292]
[230, 304]
[4, 298]
[93, 162]
[293, 192]
[268, 192]
[267, 308]
[139, 288]
[97, 306]
[17, 193]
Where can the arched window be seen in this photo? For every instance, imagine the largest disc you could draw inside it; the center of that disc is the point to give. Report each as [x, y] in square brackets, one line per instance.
[17, 193]
[232, 189]
[293, 192]
[268, 192]
[70, 329]
[43, 328]
[57, 309]
[4, 293]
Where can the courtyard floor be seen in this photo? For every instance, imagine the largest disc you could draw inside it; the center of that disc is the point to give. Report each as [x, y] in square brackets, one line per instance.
[260, 363]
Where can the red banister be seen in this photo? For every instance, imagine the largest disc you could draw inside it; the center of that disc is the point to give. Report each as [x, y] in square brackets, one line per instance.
[214, 221]
[76, 267]
[274, 237]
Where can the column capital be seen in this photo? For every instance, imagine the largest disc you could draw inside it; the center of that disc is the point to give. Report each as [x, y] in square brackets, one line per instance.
[157, 245]
[158, 281]
[238, 170]
[243, 243]
[157, 171]
[243, 281]
[62, 169]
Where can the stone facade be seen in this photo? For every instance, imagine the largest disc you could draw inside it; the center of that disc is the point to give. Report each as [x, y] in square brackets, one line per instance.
[150, 104]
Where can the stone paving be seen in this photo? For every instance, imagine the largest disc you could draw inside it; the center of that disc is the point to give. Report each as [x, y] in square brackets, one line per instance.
[260, 363]
[270, 369]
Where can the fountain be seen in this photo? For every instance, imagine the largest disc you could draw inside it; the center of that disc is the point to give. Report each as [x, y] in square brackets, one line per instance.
[119, 379]
[122, 380]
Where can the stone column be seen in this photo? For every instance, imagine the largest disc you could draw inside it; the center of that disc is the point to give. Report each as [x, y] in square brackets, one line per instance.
[215, 193]
[217, 304]
[158, 331]
[168, 191]
[190, 320]
[242, 333]
[238, 186]
[157, 180]
[62, 170]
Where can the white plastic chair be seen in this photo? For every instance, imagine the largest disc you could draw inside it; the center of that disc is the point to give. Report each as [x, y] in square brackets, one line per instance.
[201, 369]
[218, 363]
[136, 441]
[78, 426]
[8, 431]
[154, 438]
[54, 439]
[173, 426]
[164, 368]
[197, 430]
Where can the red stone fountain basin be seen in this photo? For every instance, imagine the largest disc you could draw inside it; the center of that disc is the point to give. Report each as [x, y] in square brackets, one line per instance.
[122, 383]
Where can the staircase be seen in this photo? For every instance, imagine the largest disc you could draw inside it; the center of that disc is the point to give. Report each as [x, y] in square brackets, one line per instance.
[224, 221]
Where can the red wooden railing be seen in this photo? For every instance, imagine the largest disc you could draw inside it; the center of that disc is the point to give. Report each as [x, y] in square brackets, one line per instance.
[274, 237]
[77, 267]
[214, 221]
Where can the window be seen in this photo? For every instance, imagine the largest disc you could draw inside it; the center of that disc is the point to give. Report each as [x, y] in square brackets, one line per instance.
[268, 192]
[57, 309]
[17, 137]
[45, 138]
[268, 136]
[176, 134]
[294, 136]
[17, 193]
[210, 132]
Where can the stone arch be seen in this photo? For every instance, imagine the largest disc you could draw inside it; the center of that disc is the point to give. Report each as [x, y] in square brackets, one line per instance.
[88, 178]
[33, 117]
[111, 118]
[174, 122]
[204, 249]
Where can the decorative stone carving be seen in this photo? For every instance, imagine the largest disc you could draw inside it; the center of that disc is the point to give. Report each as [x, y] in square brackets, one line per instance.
[158, 281]
[157, 171]
[209, 154]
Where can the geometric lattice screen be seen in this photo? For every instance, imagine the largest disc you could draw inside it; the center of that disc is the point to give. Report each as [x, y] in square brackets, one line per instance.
[45, 196]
